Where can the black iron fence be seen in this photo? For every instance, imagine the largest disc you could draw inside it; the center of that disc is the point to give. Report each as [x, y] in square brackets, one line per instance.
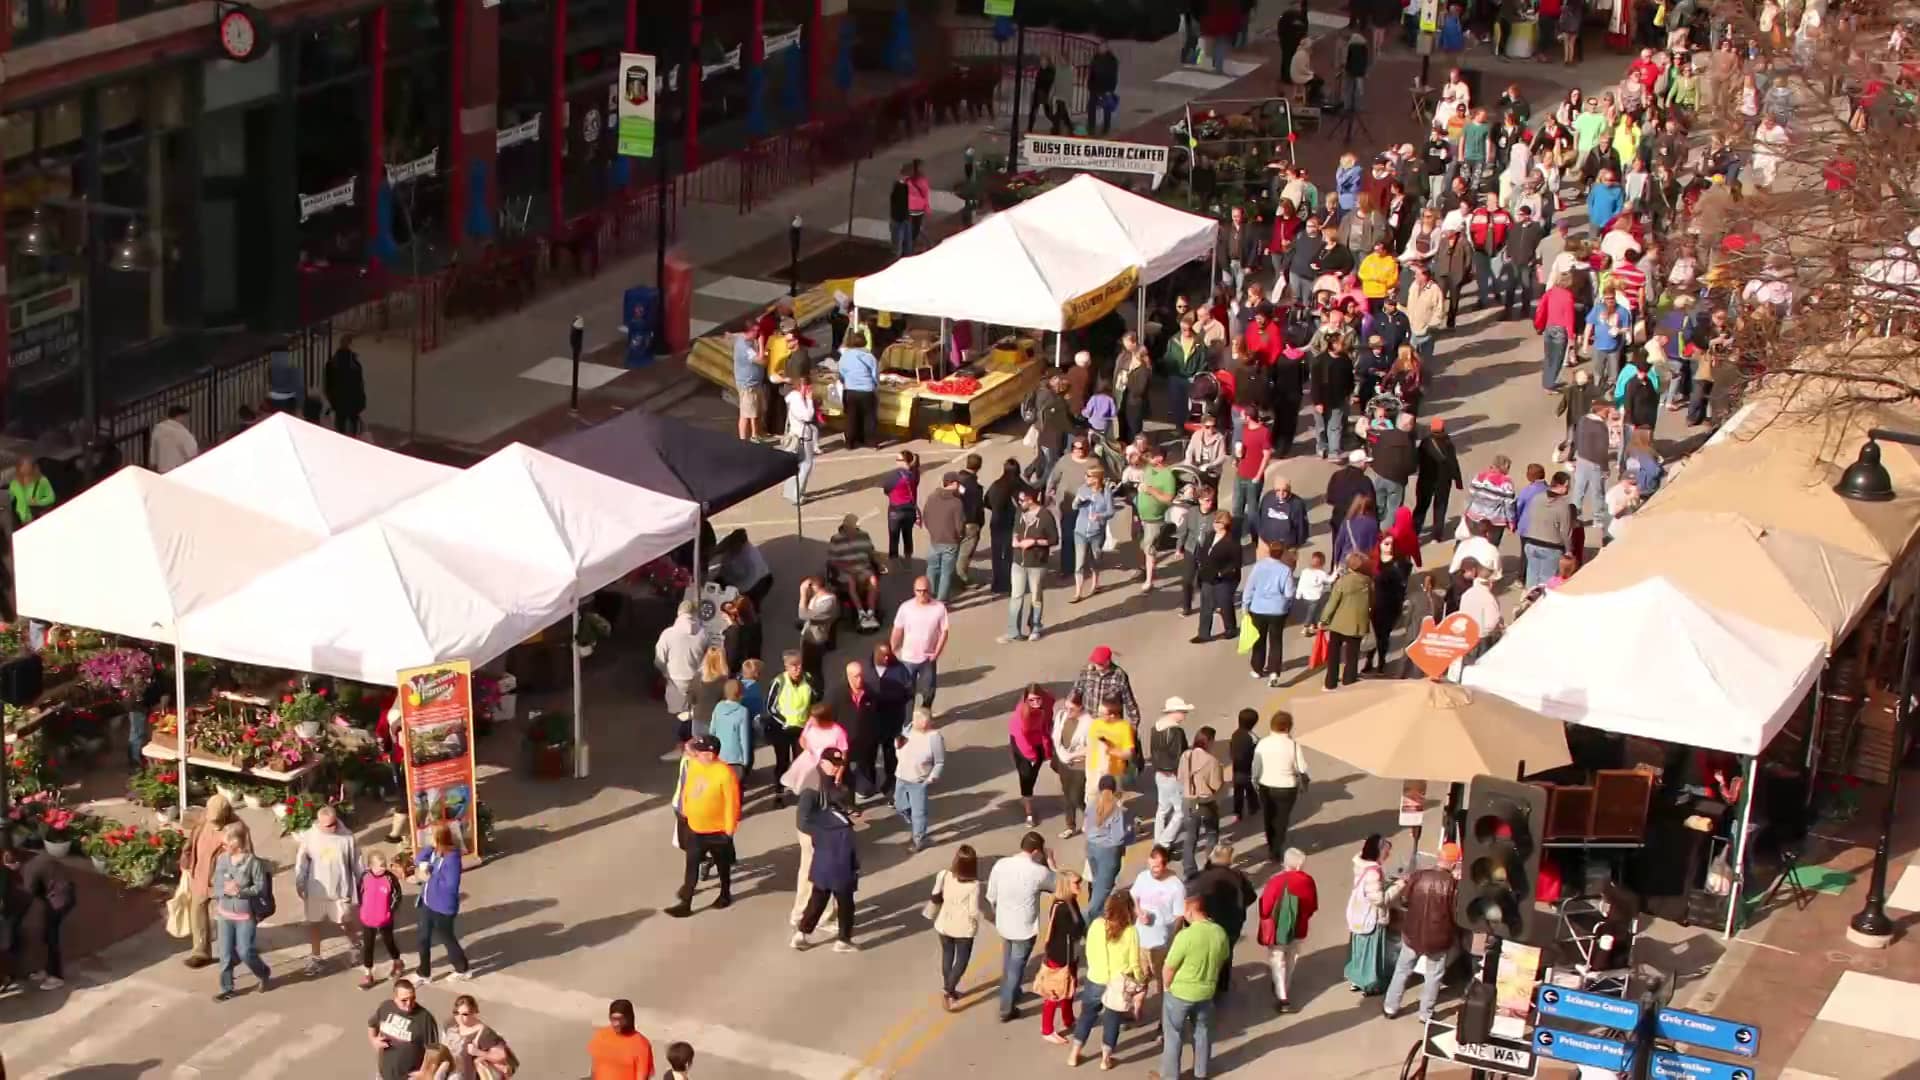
[213, 396]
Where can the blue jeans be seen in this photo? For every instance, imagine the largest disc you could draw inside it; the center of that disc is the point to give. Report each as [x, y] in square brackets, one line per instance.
[233, 946]
[1174, 1016]
[1606, 367]
[1555, 342]
[1177, 388]
[926, 679]
[1026, 580]
[902, 237]
[1246, 506]
[910, 799]
[1329, 430]
[1069, 517]
[1542, 563]
[1170, 813]
[137, 732]
[1091, 1011]
[1487, 271]
[795, 489]
[941, 559]
[1429, 980]
[955, 954]
[1590, 490]
[1423, 347]
[1104, 861]
[1015, 955]
[1388, 496]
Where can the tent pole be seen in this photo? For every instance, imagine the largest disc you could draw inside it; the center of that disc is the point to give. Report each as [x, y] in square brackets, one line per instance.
[1813, 733]
[699, 570]
[799, 523]
[1140, 312]
[1059, 345]
[1740, 848]
[579, 697]
[180, 714]
[1213, 275]
[941, 364]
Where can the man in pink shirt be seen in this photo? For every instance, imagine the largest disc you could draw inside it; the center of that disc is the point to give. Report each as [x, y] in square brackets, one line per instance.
[920, 636]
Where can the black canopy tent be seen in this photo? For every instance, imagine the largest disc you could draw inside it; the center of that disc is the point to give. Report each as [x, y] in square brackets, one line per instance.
[710, 468]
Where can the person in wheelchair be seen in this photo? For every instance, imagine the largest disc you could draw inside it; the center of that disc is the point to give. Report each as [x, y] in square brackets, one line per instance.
[855, 568]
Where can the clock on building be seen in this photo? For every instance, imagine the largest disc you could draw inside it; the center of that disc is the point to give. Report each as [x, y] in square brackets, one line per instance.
[239, 28]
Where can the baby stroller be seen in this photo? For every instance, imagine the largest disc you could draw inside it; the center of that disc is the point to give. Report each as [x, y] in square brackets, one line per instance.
[1383, 409]
[1187, 482]
[1205, 402]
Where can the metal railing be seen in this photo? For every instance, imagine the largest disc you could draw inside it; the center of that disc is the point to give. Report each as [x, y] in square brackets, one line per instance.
[213, 396]
[1069, 52]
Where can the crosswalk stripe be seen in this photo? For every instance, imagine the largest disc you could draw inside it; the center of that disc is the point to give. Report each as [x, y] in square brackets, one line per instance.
[276, 1063]
[94, 1049]
[22, 1039]
[229, 1043]
[740, 1047]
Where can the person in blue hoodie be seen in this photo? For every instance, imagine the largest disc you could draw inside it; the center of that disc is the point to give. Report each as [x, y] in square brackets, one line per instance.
[732, 724]
[1604, 202]
[440, 903]
[1265, 597]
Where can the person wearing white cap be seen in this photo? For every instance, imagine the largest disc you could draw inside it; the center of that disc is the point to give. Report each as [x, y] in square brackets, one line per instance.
[1167, 742]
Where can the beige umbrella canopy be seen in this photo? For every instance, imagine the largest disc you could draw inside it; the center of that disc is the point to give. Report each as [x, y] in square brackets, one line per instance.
[1414, 729]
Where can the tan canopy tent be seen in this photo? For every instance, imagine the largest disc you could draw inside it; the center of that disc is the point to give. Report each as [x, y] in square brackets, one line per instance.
[1420, 730]
[1781, 578]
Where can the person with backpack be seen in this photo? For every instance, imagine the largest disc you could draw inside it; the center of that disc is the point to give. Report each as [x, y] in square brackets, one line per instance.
[440, 903]
[902, 486]
[243, 898]
[379, 901]
[478, 1051]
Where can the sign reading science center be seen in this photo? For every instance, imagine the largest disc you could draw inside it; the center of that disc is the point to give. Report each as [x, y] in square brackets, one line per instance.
[1058, 152]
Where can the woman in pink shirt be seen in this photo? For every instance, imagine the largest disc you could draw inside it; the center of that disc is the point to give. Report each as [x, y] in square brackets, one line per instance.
[919, 193]
[821, 732]
[1031, 731]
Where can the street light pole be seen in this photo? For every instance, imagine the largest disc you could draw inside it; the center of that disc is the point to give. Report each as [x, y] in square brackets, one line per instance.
[1867, 480]
[1019, 78]
[793, 256]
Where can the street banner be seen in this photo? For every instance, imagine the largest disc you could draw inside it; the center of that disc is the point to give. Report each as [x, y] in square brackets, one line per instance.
[999, 9]
[638, 81]
[1107, 155]
[436, 737]
[1087, 307]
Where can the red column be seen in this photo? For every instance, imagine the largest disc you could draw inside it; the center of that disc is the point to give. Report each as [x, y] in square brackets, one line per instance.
[691, 74]
[6, 299]
[376, 123]
[556, 110]
[102, 12]
[456, 107]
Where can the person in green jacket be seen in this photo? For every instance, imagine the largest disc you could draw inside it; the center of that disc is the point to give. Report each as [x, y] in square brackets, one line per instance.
[1346, 617]
[30, 488]
[1186, 356]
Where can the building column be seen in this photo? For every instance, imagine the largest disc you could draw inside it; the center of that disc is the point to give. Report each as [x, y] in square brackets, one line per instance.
[6, 300]
[473, 188]
[376, 126]
[556, 125]
[691, 74]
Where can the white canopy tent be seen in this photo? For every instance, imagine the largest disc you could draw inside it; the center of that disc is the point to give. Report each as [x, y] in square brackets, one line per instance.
[137, 553]
[1055, 263]
[1724, 682]
[308, 476]
[526, 504]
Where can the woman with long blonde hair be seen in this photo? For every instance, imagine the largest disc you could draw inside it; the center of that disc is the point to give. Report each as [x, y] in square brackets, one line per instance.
[1107, 833]
[1116, 978]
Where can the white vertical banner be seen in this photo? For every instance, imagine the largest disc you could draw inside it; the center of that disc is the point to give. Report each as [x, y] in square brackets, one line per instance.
[639, 75]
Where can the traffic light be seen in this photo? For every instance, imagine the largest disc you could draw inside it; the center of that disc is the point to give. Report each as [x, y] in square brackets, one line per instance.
[1501, 857]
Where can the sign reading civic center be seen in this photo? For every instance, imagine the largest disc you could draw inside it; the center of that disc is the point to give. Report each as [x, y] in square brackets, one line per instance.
[1108, 155]
[639, 81]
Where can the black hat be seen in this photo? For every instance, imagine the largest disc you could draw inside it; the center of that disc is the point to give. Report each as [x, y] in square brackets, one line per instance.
[707, 744]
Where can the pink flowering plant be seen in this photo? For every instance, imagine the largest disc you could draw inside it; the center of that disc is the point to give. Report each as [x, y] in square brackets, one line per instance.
[123, 674]
[303, 705]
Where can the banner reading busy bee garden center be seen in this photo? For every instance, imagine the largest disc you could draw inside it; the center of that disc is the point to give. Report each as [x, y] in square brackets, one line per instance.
[436, 735]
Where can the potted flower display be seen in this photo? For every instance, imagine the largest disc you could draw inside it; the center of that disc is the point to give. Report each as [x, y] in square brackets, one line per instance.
[550, 744]
[136, 857]
[305, 709]
[296, 813]
[157, 787]
[99, 846]
[56, 831]
[27, 815]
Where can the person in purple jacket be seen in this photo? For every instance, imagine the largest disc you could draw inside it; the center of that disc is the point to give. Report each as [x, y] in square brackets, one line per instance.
[440, 903]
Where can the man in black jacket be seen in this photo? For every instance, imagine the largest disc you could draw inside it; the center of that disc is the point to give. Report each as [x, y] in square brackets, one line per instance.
[346, 387]
[1393, 466]
[1329, 388]
[857, 707]
[1042, 91]
[973, 502]
[1283, 516]
[1103, 82]
[823, 787]
[1347, 481]
[898, 221]
[1438, 475]
[1521, 270]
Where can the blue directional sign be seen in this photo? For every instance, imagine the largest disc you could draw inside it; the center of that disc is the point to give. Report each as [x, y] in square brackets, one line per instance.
[1583, 1007]
[1707, 1032]
[1683, 1067]
[1577, 1049]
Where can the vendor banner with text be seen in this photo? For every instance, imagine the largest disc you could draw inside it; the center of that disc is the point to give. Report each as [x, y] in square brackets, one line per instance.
[1107, 155]
[639, 85]
[1090, 306]
[436, 737]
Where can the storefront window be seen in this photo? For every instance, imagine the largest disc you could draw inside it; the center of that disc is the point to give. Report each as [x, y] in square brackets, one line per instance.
[332, 111]
[785, 72]
[591, 107]
[725, 53]
[46, 166]
[38, 20]
[525, 125]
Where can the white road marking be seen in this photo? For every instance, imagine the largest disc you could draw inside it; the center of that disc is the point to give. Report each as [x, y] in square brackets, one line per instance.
[277, 1062]
[226, 1046]
[96, 1047]
[558, 370]
[867, 228]
[1873, 1002]
[745, 290]
[1906, 892]
[738, 1046]
[1200, 80]
[945, 202]
[23, 1038]
[700, 328]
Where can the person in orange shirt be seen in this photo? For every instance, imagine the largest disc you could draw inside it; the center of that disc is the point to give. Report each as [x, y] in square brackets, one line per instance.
[709, 802]
[617, 1051]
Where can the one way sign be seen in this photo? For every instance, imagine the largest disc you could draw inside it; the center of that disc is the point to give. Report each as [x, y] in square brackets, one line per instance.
[1501, 1055]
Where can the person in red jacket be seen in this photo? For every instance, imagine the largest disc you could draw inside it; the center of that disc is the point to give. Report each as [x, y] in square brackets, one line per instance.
[1487, 227]
[1265, 337]
[1286, 904]
[1553, 320]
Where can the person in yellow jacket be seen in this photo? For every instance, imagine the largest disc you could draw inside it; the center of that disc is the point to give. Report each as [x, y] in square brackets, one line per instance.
[30, 489]
[709, 805]
[1379, 276]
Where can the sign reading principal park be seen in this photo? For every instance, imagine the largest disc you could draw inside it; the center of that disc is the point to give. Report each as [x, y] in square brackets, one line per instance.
[1107, 155]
